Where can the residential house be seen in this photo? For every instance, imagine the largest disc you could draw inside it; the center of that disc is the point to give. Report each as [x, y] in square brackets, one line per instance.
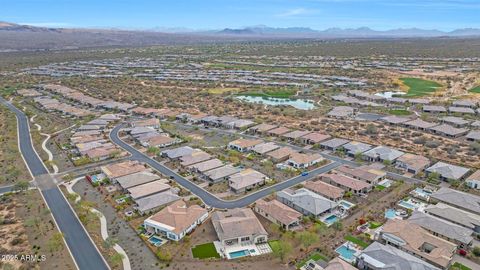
[334, 144]
[136, 179]
[153, 202]
[347, 183]
[473, 181]
[159, 141]
[355, 148]
[147, 189]
[314, 138]
[465, 103]
[195, 157]
[341, 112]
[364, 173]
[246, 180]
[176, 220]
[153, 123]
[448, 171]
[204, 166]
[386, 257]
[116, 170]
[262, 128]
[295, 135]
[281, 154]
[455, 121]
[461, 110]
[179, 152]
[442, 228]
[238, 226]
[278, 213]
[412, 163]
[303, 160]
[243, 145]
[221, 173]
[382, 153]
[434, 109]
[415, 240]
[419, 124]
[473, 136]
[448, 131]
[263, 148]
[456, 216]
[306, 202]
[458, 199]
[277, 132]
[395, 120]
[326, 190]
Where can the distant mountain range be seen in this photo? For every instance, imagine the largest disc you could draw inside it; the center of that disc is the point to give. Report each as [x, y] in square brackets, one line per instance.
[16, 37]
[362, 32]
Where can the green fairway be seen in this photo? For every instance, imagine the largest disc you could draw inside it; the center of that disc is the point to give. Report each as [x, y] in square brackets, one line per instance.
[205, 251]
[419, 87]
[277, 93]
[475, 89]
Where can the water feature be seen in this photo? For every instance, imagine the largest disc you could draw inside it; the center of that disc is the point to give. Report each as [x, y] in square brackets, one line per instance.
[301, 104]
[389, 94]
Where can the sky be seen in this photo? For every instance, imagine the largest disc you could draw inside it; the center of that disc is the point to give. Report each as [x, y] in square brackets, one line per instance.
[218, 14]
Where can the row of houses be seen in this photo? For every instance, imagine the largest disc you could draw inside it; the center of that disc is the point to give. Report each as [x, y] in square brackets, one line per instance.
[214, 170]
[147, 133]
[50, 105]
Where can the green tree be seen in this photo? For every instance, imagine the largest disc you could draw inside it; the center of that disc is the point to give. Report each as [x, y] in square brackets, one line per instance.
[308, 238]
[117, 259]
[476, 251]
[282, 250]
[337, 225]
[55, 242]
[21, 186]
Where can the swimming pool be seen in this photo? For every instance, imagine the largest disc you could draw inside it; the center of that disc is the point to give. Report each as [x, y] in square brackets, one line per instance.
[155, 241]
[239, 254]
[406, 205]
[346, 253]
[390, 213]
[346, 205]
[422, 192]
[330, 220]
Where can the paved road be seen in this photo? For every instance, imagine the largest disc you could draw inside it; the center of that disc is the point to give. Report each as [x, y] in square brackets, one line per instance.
[207, 197]
[82, 248]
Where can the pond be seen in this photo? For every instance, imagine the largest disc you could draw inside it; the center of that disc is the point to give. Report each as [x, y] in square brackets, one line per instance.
[301, 104]
[389, 94]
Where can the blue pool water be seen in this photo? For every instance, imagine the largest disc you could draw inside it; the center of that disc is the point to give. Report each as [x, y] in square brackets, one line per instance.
[422, 192]
[155, 241]
[406, 205]
[390, 213]
[331, 219]
[345, 253]
[238, 254]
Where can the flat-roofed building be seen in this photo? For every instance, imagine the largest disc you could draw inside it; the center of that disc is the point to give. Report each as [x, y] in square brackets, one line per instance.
[448, 131]
[419, 124]
[455, 121]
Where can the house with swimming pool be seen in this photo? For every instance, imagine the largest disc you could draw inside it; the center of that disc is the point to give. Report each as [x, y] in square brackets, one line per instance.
[278, 213]
[239, 233]
[176, 220]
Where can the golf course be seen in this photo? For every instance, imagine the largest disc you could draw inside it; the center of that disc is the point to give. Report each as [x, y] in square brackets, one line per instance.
[419, 87]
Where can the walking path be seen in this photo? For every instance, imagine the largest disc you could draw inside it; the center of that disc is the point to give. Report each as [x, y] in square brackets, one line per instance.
[44, 145]
[103, 224]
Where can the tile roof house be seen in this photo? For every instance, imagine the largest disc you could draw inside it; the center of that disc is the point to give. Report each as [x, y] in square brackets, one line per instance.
[314, 138]
[221, 173]
[458, 199]
[303, 161]
[262, 128]
[334, 144]
[382, 153]
[265, 147]
[395, 120]
[473, 180]
[238, 226]
[326, 190]
[176, 220]
[364, 173]
[136, 179]
[178, 152]
[412, 163]
[448, 171]
[278, 213]
[113, 171]
[306, 202]
[341, 112]
[204, 166]
[419, 124]
[151, 203]
[281, 154]
[385, 257]
[473, 136]
[160, 141]
[448, 131]
[243, 145]
[195, 157]
[455, 215]
[147, 189]
[354, 148]
[442, 228]
[278, 131]
[150, 123]
[246, 180]
[461, 110]
[465, 103]
[455, 121]
[413, 239]
[294, 135]
[347, 183]
[434, 109]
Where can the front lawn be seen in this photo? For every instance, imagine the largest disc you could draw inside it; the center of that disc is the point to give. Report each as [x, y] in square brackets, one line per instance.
[374, 225]
[475, 89]
[419, 87]
[205, 251]
[273, 245]
[356, 241]
[380, 187]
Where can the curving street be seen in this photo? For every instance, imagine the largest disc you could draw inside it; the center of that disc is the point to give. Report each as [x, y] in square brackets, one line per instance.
[207, 197]
[83, 250]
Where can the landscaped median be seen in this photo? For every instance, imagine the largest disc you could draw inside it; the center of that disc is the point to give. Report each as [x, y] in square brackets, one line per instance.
[205, 251]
